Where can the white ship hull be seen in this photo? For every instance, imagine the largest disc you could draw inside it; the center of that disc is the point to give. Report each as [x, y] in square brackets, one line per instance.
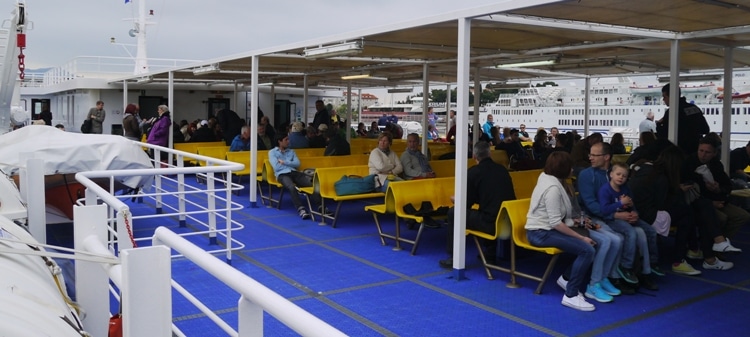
[614, 107]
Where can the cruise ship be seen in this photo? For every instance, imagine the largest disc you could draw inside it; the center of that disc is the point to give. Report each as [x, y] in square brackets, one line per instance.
[618, 105]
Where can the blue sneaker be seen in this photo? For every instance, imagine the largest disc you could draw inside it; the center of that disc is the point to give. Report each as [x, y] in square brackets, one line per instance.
[609, 288]
[595, 292]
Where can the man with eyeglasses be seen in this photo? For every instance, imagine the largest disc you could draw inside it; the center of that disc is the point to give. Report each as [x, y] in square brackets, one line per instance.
[616, 228]
[522, 134]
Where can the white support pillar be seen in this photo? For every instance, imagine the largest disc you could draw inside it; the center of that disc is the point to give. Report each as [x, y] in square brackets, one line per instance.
[32, 191]
[425, 104]
[462, 141]
[146, 292]
[173, 114]
[477, 86]
[359, 105]
[586, 108]
[447, 108]
[674, 90]
[304, 99]
[92, 281]
[254, 131]
[726, 115]
[348, 112]
[124, 95]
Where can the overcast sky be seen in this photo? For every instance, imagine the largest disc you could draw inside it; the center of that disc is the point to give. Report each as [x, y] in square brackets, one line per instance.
[205, 29]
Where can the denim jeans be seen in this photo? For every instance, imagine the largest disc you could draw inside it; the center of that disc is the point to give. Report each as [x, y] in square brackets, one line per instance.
[584, 252]
[608, 247]
[293, 179]
[646, 242]
[629, 241]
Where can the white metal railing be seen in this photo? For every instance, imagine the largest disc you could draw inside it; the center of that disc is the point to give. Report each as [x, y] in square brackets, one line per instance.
[149, 267]
[97, 66]
[255, 298]
[215, 204]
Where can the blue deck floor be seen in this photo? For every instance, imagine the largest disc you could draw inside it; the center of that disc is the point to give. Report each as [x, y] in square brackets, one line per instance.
[346, 277]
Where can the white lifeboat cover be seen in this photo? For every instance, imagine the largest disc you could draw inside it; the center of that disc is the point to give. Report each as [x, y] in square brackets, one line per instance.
[68, 152]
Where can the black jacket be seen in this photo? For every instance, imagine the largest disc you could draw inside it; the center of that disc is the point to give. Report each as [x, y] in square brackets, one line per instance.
[691, 126]
[488, 184]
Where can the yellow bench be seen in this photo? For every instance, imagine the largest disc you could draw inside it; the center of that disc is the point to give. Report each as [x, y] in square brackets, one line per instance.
[500, 157]
[243, 157]
[620, 158]
[193, 148]
[400, 193]
[447, 168]
[511, 221]
[267, 176]
[331, 161]
[524, 182]
[323, 184]
[216, 152]
[316, 163]
[309, 152]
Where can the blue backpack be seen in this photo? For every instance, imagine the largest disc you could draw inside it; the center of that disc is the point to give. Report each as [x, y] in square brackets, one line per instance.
[351, 184]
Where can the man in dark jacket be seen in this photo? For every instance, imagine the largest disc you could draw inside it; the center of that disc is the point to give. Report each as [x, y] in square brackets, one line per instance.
[230, 124]
[691, 124]
[488, 184]
[321, 116]
[337, 144]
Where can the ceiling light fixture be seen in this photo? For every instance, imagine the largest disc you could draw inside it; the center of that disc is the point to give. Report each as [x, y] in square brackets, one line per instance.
[355, 77]
[209, 69]
[342, 49]
[526, 64]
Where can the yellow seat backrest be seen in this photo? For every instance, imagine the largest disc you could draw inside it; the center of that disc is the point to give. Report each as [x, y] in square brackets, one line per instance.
[620, 158]
[444, 168]
[524, 182]
[500, 157]
[243, 157]
[325, 177]
[218, 152]
[438, 191]
[309, 152]
[331, 161]
[517, 211]
[267, 174]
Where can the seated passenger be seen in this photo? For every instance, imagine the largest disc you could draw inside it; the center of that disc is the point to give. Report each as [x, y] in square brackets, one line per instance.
[384, 162]
[285, 164]
[549, 222]
[241, 142]
[297, 139]
[414, 162]
[488, 184]
[337, 144]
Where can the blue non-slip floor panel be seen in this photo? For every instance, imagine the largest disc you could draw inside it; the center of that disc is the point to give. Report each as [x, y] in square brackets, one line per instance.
[346, 277]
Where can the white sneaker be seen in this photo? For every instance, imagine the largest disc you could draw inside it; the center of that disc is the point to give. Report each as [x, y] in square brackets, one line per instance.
[718, 265]
[303, 213]
[578, 302]
[726, 247]
[562, 283]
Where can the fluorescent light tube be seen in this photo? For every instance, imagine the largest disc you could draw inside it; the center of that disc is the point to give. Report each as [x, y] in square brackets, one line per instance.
[526, 64]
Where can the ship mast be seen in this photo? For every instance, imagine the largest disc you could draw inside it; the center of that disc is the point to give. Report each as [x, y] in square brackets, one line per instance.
[139, 32]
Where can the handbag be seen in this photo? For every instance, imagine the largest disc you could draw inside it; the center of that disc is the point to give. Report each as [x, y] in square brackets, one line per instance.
[86, 126]
[351, 184]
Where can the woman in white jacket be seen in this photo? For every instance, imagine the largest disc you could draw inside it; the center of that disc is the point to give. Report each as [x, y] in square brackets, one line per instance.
[383, 161]
[549, 221]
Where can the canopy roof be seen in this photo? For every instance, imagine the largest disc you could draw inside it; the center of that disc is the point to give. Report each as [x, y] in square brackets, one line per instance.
[583, 37]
